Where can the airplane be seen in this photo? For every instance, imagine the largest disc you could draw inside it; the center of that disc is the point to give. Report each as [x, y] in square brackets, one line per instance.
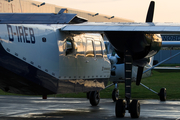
[47, 53]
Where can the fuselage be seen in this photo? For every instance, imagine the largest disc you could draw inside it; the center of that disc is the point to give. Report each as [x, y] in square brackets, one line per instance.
[40, 59]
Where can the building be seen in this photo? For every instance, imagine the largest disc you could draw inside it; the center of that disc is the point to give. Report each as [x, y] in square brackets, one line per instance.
[30, 6]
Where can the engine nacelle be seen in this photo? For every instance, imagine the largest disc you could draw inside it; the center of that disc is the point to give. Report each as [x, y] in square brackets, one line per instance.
[141, 45]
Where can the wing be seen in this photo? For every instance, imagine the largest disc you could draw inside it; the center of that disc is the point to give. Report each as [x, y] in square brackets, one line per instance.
[128, 27]
[137, 37]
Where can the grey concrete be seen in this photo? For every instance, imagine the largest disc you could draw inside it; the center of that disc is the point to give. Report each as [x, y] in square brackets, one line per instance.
[20, 108]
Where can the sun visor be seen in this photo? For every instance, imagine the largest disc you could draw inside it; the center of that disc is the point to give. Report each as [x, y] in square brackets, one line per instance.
[40, 18]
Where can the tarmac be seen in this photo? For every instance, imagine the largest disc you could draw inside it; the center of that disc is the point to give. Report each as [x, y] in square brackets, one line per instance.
[22, 108]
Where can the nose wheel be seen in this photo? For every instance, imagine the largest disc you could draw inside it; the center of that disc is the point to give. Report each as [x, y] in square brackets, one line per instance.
[120, 108]
[94, 97]
[134, 108]
[134, 105]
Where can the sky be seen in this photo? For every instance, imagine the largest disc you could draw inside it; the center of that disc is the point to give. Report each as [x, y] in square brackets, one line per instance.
[136, 10]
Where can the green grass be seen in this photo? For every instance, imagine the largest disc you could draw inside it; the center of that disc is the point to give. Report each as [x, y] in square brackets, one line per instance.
[170, 79]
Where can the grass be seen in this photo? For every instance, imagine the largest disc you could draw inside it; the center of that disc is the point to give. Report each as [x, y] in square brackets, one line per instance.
[170, 79]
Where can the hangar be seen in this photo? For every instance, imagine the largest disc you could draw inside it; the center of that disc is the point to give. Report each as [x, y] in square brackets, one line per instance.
[30, 6]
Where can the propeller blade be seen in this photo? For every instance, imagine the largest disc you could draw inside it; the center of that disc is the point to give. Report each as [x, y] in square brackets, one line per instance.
[139, 75]
[150, 13]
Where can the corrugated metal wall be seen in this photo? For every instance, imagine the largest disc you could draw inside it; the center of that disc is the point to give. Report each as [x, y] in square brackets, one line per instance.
[163, 54]
[30, 6]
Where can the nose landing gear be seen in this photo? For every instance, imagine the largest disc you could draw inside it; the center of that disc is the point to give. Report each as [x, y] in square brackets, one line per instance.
[134, 108]
[120, 108]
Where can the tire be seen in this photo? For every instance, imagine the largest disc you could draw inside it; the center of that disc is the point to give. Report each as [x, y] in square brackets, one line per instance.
[115, 95]
[94, 98]
[134, 109]
[120, 108]
[162, 94]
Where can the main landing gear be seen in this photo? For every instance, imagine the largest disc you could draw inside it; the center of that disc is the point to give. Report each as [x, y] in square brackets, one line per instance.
[134, 108]
[115, 93]
[121, 105]
[161, 94]
[94, 97]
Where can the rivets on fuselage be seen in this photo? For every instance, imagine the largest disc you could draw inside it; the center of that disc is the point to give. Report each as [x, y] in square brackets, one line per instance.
[24, 58]
[32, 62]
[16, 54]
[8, 49]
[53, 74]
[39, 66]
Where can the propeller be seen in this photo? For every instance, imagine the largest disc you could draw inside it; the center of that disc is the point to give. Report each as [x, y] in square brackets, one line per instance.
[150, 13]
[139, 75]
[149, 18]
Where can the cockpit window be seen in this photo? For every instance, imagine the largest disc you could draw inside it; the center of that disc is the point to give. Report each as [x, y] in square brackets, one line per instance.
[69, 46]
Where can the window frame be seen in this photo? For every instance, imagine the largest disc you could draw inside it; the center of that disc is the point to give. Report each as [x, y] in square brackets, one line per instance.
[101, 50]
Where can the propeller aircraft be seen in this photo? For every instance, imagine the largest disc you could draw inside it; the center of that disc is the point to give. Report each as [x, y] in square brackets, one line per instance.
[47, 53]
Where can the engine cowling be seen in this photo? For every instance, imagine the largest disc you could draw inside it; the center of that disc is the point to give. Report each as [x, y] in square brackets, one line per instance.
[141, 45]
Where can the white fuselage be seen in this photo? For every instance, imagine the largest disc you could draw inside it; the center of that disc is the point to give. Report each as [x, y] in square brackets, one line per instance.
[63, 55]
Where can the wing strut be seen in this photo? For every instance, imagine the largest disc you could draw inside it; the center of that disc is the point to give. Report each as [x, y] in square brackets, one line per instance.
[162, 93]
[161, 62]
